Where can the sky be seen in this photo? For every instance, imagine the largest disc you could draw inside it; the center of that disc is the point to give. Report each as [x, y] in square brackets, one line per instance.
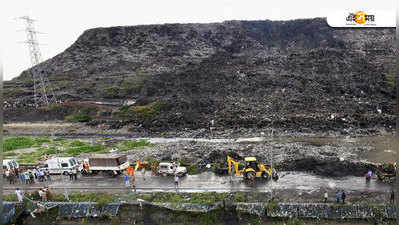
[63, 21]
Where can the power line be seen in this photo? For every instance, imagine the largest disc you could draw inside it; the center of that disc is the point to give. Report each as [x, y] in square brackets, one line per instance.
[43, 93]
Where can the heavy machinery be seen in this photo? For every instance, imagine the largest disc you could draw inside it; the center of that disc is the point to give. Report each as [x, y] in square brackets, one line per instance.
[112, 164]
[386, 172]
[252, 169]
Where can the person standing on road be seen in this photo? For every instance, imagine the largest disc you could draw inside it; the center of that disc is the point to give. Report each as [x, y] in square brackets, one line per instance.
[176, 182]
[31, 177]
[325, 197]
[27, 178]
[153, 169]
[8, 176]
[343, 196]
[42, 177]
[392, 198]
[208, 167]
[47, 173]
[70, 174]
[41, 194]
[19, 195]
[22, 177]
[338, 195]
[75, 173]
[126, 179]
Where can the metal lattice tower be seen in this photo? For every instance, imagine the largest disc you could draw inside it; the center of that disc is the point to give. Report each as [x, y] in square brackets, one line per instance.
[43, 93]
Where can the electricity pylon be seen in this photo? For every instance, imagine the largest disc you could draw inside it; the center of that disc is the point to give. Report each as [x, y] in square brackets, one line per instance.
[43, 93]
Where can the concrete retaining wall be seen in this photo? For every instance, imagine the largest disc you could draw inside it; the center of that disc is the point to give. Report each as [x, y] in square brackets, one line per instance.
[281, 210]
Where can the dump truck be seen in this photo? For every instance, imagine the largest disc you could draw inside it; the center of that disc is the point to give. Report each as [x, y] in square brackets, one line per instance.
[111, 164]
[386, 172]
[252, 169]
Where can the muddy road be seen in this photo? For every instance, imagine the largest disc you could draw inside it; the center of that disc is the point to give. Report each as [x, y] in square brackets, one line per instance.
[292, 186]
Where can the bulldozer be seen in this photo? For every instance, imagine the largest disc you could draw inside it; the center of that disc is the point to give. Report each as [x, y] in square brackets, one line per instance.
[386, 172]
[252, 169]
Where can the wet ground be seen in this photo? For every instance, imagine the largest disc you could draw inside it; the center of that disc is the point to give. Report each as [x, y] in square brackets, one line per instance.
[292, 185]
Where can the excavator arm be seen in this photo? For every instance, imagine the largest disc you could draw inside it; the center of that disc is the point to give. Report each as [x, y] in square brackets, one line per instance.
[233, 165]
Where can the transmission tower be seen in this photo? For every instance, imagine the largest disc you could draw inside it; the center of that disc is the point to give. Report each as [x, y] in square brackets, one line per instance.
[43, 93]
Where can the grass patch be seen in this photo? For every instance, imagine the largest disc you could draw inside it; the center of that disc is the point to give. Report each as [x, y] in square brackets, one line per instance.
[59, 139]
[84, 149]
[193, 169]
[30, 157]
[239, 197]
[10, 154]
[83, 115]
[13, 143]
[390, 80]
[271, 206]
[149, 111]
[50, 151]
[127, 145]
[79, 117]
[78, 144]
[40, 141]
[195, 198]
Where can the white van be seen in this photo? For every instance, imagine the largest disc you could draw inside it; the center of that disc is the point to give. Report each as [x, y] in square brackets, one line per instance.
[60, 165]
[9, 164]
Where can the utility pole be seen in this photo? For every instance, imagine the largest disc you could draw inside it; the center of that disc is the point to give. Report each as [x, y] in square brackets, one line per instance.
[43, 93]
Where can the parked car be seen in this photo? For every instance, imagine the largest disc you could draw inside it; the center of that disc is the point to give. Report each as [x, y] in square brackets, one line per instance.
[166, 168]
[60, 165]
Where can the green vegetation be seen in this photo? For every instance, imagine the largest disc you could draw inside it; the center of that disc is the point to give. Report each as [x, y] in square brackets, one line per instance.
[40, 141]
[127, 145]
[77, 143]
[111, 92]
[10, 154]
[130, 86]
[193, 169]
[148, 111]
[62, 146]
[17, 143]
[83, 115]
[271, 206]
[30, 157]
[83, 149]
[209, 218]
[294, 221]
[195, 198]
[50, 151]
[14, 143]
[184, 162]
[239, 197]
[390, 80]
[102, 198]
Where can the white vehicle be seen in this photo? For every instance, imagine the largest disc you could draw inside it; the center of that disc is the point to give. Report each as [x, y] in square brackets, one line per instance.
[169, 169]
[10, 164]
[113, 164]
[60, 165]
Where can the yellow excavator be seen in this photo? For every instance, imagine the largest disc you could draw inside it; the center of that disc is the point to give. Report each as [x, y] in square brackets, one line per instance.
[252, 169]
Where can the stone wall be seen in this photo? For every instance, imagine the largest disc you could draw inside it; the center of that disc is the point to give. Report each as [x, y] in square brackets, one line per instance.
[270, 210]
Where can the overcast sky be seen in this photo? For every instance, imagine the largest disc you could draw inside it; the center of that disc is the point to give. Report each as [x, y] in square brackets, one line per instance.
[64, 20]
